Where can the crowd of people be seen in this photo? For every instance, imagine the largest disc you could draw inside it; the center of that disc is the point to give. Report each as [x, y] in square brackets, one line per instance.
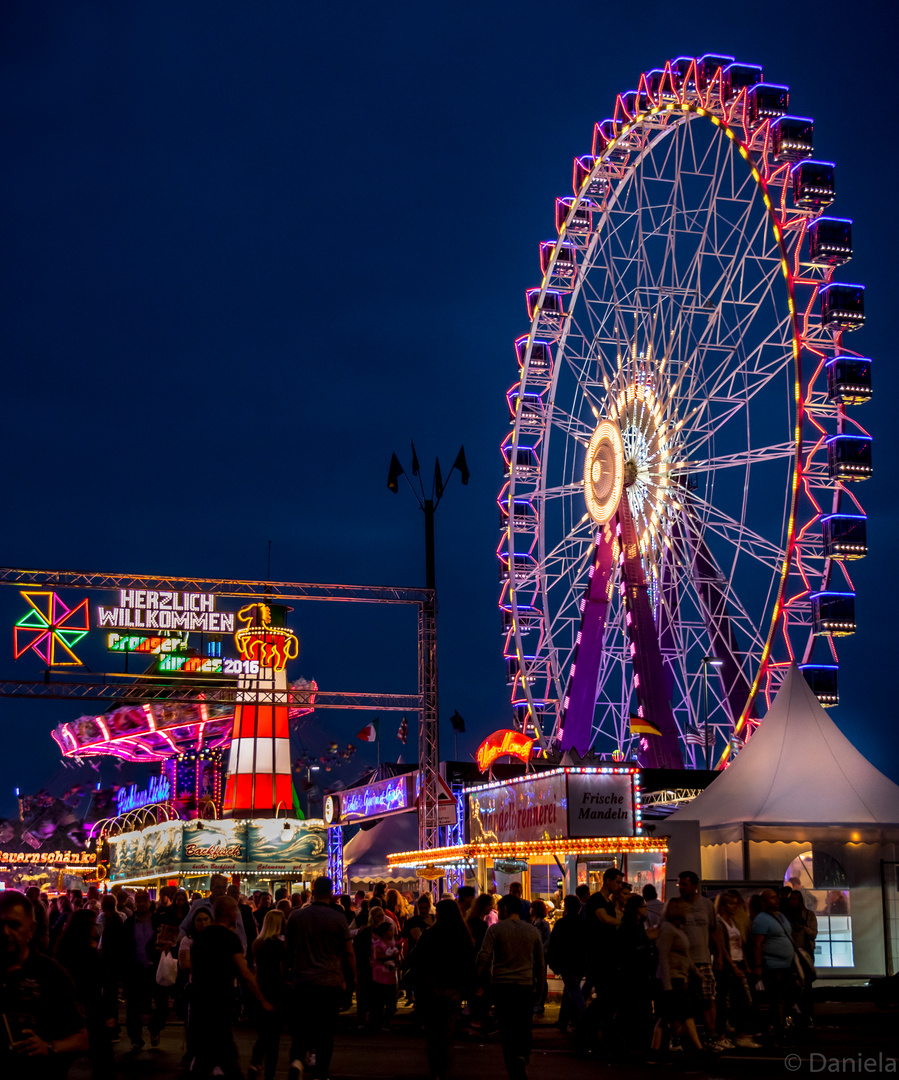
[638, 976]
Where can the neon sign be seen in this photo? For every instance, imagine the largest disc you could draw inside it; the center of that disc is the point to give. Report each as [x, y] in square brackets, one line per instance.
[142, 643]
[504, 743]
[375, 800]
[51, 628]
[260, 642]
[148, 609]
[208, 665]
[211, 854]
[50, 858]
[159, 790]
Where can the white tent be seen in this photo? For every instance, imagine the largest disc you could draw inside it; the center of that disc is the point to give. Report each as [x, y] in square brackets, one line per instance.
[797, 768]
[798, 798]
[365, 855]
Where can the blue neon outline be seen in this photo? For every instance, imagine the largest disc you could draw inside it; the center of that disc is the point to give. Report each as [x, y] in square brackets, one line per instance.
[838, 285]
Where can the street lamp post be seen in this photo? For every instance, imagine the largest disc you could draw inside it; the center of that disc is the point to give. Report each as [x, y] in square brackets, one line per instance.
[428, 724]
[707, 661]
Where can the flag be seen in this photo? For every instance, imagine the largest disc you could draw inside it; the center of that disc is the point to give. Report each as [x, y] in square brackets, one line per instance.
[693, 736]
[370, 732]
[438, 479]
[457, 722]
[462, 465]
[396, 471]
[641, 726]
[403, 732]
[414, 460]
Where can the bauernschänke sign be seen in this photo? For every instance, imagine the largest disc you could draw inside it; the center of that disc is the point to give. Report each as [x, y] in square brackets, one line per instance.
[555, 806]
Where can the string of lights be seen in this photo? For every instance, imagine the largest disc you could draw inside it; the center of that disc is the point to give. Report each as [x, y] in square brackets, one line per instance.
[605, 845]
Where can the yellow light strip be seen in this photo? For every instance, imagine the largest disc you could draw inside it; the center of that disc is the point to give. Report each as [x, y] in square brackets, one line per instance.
[605, 845]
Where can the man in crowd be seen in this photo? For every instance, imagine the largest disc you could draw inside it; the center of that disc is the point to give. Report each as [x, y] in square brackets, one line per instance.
[141, 958]
[41, 939]
[654, 906]
[263, 905]
[602, 916]
[37, 1000]
[773, 956]
[515, 890]
[245, 918]
[320, 958]
[704, 935]
[217, 959]
[567, 955]
[513, 954]
[465, 898]
[218, 887]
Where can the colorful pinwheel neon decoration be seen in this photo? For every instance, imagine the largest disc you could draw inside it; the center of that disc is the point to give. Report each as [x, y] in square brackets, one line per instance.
[51, 629]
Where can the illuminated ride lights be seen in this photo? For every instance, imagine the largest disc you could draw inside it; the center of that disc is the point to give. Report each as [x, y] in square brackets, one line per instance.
[50, 628]
[687, 311]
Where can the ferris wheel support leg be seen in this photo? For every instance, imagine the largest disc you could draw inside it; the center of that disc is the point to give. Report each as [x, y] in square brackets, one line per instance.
[720, 630]
[576, 727]
[649, 673]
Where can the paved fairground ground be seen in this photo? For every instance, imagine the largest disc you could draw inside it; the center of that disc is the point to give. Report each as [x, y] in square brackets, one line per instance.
[851, 1037]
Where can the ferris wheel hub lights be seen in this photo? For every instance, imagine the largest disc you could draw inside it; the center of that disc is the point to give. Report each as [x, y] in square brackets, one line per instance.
[604, 472]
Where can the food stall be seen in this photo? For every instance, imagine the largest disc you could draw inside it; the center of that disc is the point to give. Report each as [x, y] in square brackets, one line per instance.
[267, 852]
[561, 827]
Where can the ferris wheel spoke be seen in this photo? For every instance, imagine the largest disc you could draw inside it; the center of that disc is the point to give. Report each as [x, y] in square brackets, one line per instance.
[735, 533]
[744, 459]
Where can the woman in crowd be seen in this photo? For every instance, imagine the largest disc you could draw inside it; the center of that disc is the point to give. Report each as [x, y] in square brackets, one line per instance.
[393, 909]
[384, 962]
[361, 917]
[804, 926]
[59, 921]
[201, 920]
[443, 967]
[270, 953]
[734, 995]
[362, 948]
[638, 963]
[675, 968]
[477, 918]
[77, 951]
[413, 929]
[540, 921]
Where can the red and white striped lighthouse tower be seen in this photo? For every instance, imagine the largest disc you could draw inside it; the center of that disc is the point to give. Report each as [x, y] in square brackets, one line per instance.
[259, 778]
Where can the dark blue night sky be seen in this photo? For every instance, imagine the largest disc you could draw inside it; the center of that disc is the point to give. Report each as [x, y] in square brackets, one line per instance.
[249, 250]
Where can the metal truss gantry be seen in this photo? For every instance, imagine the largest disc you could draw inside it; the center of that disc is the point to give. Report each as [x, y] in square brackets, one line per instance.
[111, 687]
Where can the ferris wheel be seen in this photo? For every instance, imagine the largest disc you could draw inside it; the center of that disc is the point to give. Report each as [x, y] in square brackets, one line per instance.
[679, 506]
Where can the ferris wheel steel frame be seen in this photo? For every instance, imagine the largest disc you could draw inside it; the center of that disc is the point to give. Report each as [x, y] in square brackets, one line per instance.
[666, 537]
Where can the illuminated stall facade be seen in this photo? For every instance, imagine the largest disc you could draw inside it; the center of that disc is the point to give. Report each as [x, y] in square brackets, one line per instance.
[563, 826]
[268, 851]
